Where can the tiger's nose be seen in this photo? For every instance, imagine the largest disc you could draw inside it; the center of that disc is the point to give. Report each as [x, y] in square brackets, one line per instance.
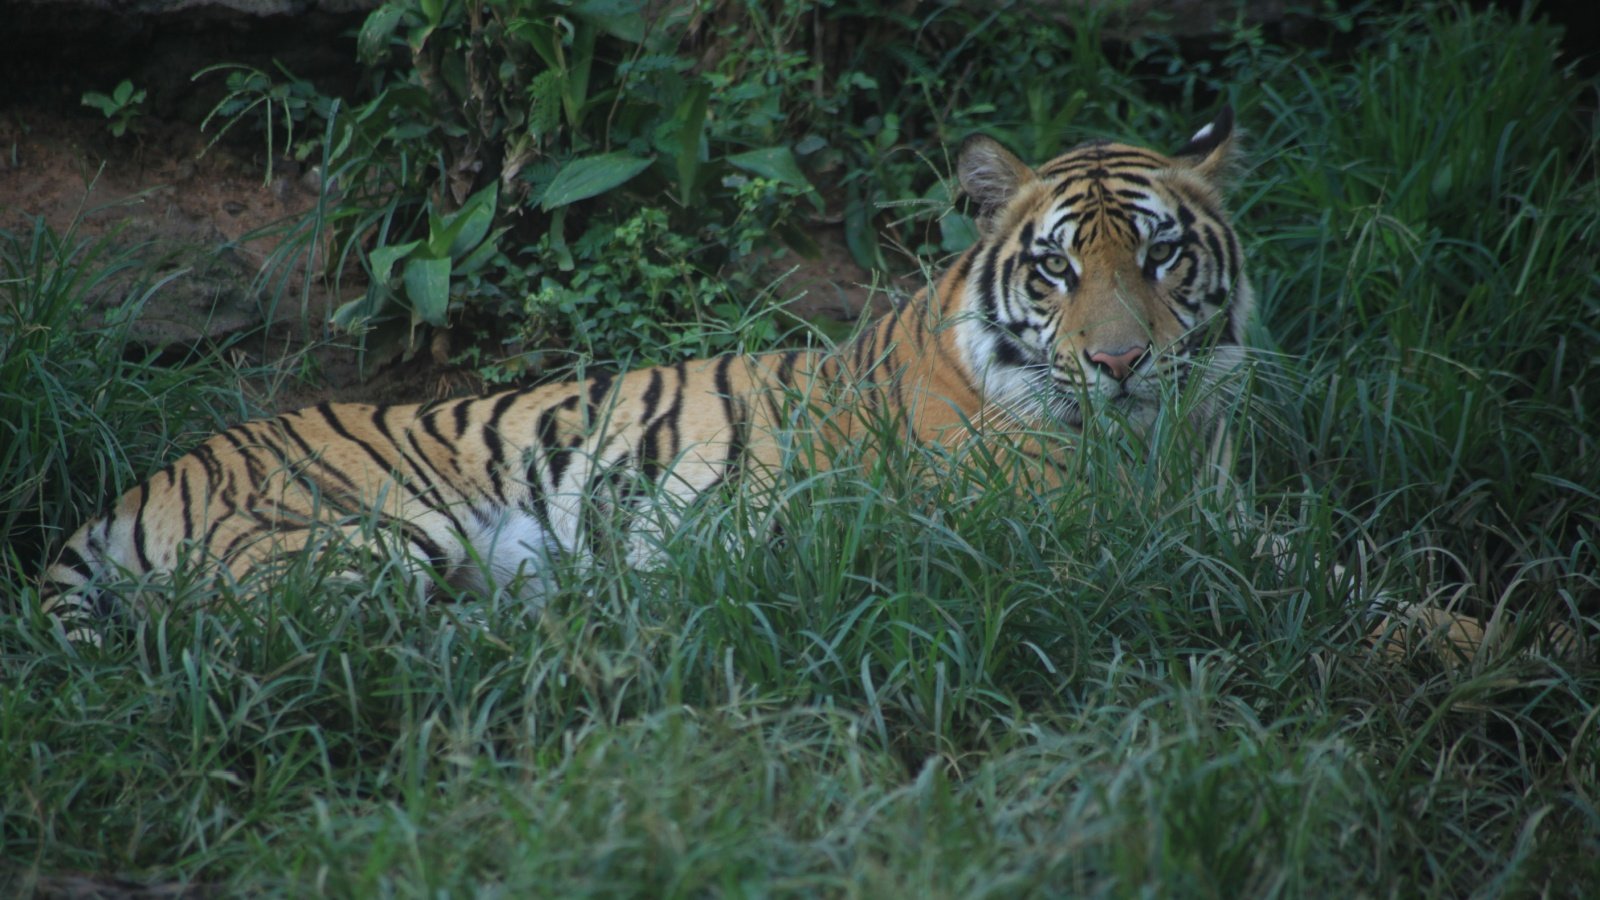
[1119, 364]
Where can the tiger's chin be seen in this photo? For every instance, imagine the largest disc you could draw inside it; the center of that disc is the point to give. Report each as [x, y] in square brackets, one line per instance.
[1106, 417]
[1134, 412]
[1116, 409]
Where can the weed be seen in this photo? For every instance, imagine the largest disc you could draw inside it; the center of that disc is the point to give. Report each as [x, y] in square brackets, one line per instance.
[121, 107]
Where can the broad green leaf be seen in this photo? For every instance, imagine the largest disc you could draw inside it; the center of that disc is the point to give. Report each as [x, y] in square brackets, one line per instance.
[544, 93]
[350, 313]
[809, 144]
[457, 233]
[957, 233]
[428, 288]
[476, 215]
[590, 176]
[778, 164]
[541, 37]
[691, 118]
[485, 251]
[558, 240]
[376, 31]
[859, 235]
[618, 18]
[382, 259]
[418, 36]
[577, 74]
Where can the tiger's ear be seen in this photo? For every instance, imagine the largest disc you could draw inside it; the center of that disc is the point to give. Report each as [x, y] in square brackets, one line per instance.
[1212, 151]
[990, 174]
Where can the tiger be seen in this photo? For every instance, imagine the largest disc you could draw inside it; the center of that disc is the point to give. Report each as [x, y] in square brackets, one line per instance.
[1096, 283]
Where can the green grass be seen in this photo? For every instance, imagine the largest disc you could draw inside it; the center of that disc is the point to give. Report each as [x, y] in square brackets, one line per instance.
[929, 688]
[81, 407]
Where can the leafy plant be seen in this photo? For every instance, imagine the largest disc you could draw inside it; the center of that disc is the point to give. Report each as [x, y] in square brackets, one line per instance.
[634, 294]
[121, 106]
[273, 107]
[549, 118]
[458, 246]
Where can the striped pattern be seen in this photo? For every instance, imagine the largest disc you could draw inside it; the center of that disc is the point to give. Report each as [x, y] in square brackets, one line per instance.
[489, 488]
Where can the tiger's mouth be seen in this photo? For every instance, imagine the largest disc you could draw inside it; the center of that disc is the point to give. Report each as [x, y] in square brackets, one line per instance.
[1135, 401]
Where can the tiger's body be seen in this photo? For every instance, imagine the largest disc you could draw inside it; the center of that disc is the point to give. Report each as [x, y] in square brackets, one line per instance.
[1098, 282]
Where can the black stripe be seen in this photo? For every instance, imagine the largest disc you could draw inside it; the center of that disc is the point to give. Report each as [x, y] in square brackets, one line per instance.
[557, 457]
[776, 389]
[1176, 316]
[416, 535]
[429, 494]
[384, 465]
[251, 467]
[649, 456]
[652, 395]
[491, 439]
[598, 386]
[674, 413]
[219, 492]
[786, 368]
[888, 327]
[74, 560]
[1008, 270]
[440, 477]
[186, 502]
[720, 380]
[1008, 353]
[430, 426]
[311, 456]
[1098, 155]
[988, 286]
[730, 414]
[138, 528]
[733, 409]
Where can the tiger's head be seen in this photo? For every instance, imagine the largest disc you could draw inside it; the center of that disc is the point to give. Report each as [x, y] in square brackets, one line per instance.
[1104, 279]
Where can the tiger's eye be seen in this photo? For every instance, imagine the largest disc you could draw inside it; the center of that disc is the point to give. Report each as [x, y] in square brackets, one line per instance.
[1160, 253]
[1055, 264]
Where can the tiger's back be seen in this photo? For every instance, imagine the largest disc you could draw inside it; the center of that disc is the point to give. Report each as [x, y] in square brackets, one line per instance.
[1099, 282]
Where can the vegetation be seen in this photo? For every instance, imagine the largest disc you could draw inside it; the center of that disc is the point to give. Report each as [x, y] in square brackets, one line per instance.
[121, 106]
[925, 688]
